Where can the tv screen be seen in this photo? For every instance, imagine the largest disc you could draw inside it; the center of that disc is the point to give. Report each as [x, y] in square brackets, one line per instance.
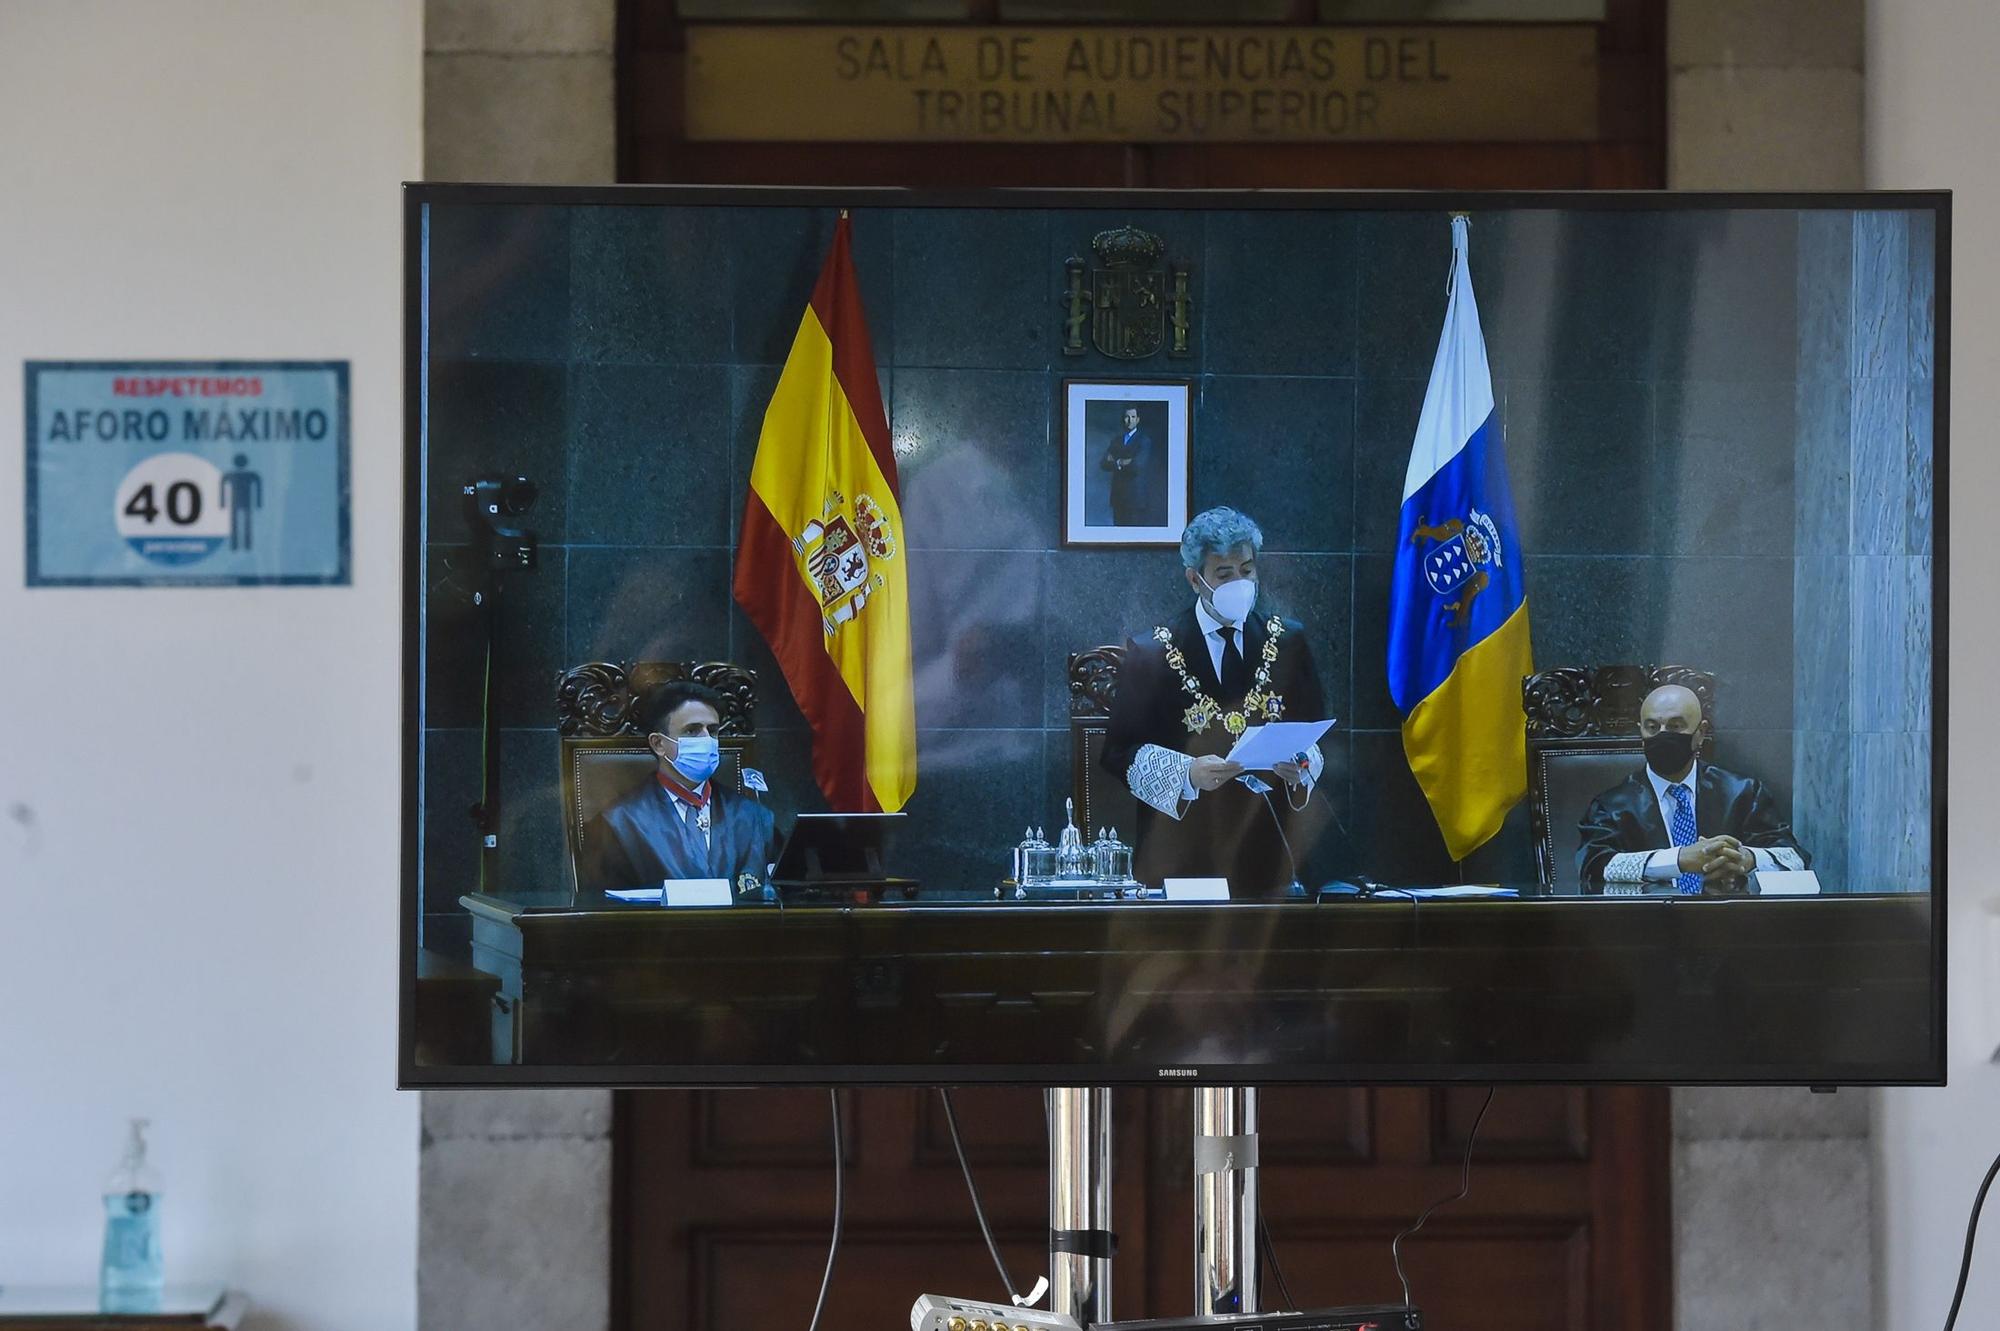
[1307, 637]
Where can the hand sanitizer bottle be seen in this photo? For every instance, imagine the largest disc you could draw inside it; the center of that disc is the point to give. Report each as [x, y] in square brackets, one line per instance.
[131, 1277]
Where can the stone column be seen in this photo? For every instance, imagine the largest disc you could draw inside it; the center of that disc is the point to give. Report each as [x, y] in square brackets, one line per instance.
[1764, 94]
[519, 91]
[514, 1191]
[514, 1211]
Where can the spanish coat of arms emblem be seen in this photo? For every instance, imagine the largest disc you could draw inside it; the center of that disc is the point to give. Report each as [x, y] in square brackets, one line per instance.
[838, 556]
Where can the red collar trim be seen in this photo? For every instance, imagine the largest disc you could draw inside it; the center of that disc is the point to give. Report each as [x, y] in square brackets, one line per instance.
[680, 791]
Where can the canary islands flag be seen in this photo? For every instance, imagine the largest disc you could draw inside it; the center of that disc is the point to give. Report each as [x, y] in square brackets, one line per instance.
[1458, 609]
[822, 561]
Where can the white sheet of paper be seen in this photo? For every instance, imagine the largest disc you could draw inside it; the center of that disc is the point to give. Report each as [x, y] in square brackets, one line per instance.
[1196, 889]
[698, 892]
[1262, 748]
[634, 894]
[1787, 883]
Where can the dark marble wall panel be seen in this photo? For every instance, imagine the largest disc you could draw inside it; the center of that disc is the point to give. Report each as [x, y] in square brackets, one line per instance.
[1582, 457]
[1723, 468]
[775, 255]
[1402, 265]
[499, 282]
[1281, 293]
[532, 609]
[975, 789]
[971, 290]
[977, 459]
[1281, 450]
[1737, 316]
[1732, 617]
[978, 638]
[1385, 423]
[647, 604]
[1763, 754]
[496, 418]
[449, 841]
[651, 286]
[650, 454]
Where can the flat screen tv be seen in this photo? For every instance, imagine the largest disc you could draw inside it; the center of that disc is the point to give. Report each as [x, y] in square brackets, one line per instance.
[1310, 637]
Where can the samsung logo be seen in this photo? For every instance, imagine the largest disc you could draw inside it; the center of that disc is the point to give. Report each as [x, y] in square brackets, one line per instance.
[1179, 1072]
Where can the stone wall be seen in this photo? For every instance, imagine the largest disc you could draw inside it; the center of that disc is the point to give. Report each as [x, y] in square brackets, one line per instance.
[1773, 1190]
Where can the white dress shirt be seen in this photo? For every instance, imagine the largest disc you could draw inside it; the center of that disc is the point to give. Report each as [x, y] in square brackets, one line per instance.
[689, 813]
[1212, 633]
[1664, 864]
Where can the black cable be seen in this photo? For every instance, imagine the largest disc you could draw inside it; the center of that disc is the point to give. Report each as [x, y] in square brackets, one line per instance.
[833, 1248]
[1971, 1231]
[1464, 1187]
[972, 1191]
[1264, 1243]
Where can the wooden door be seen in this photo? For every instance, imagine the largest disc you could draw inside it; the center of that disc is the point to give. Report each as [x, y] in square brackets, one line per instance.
[724, 1201]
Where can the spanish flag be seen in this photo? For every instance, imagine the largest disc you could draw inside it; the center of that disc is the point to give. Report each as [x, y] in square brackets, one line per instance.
[822, 564]
[1458, 605]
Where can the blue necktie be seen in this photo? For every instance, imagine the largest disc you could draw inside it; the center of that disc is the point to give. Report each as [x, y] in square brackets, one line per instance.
[1684, 835]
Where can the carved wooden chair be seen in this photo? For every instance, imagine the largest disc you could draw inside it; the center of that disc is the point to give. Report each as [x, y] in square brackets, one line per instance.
[1583, 739]
[603, 750]
[1102, 800]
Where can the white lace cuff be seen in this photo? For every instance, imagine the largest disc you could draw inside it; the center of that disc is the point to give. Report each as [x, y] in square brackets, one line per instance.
[1159, 776]
[1629, 867]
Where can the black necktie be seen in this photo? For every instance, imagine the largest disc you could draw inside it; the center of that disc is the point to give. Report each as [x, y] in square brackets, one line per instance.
[1235, 675]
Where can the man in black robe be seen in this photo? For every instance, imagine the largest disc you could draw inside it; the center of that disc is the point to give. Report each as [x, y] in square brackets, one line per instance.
[1680, 823]
[1186, 690]
[679, 823]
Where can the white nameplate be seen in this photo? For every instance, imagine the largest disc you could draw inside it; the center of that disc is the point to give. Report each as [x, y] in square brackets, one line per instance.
[1787, 883]
[1197, 889]
[697, 892]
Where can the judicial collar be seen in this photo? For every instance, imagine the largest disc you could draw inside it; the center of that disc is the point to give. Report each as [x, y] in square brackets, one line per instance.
[680, 790]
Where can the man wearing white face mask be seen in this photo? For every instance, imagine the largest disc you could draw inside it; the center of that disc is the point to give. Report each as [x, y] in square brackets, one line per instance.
[1186, 691]
[681, 823]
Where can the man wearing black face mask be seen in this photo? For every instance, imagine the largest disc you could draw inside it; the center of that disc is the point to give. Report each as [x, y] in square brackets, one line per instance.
[679, 823]
[1678, 822]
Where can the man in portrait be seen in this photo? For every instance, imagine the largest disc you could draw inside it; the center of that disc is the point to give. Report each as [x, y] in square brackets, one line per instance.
[1138, 475]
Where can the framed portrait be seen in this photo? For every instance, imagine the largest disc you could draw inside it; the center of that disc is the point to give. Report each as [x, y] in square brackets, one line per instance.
[1125, 461]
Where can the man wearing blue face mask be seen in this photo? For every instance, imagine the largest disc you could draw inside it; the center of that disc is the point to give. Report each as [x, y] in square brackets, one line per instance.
[681, 823]
[1186, 690]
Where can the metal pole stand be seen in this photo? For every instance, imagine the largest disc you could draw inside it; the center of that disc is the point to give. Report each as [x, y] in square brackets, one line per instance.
[1080, 1239]
[1225, 1200]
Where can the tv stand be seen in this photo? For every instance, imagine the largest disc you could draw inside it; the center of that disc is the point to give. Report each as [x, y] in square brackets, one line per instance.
[1081, 1242]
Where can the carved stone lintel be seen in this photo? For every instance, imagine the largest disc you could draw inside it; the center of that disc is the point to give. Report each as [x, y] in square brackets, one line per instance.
[596, 699]
[1093, 680]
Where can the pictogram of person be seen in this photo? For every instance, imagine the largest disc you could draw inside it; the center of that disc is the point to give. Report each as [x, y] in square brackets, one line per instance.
[242, 492]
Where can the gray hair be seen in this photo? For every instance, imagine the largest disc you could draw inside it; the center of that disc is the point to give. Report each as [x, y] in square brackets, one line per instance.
[1217, 532]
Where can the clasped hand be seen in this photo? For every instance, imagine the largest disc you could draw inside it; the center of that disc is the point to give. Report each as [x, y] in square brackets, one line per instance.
[1720, 860]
